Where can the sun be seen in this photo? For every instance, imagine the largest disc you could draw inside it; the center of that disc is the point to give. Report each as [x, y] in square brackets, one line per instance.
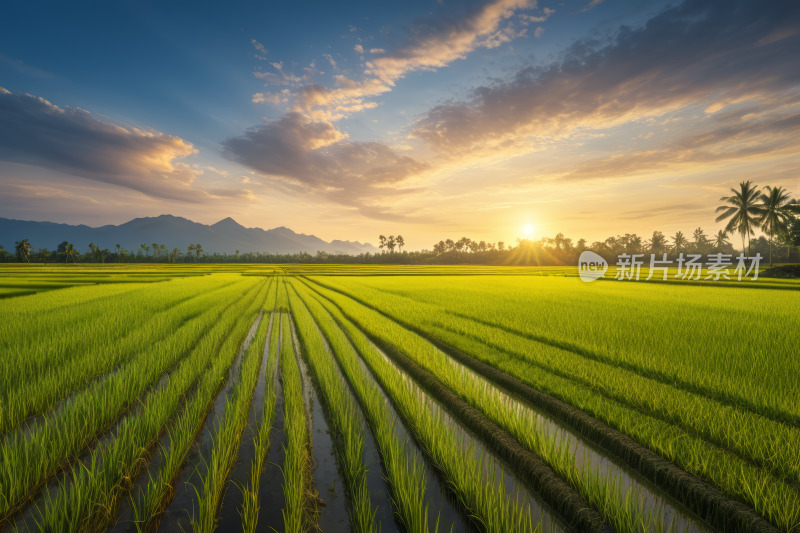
[528, 230]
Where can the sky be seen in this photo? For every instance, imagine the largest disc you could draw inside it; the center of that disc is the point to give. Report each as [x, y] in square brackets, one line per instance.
[494, 120]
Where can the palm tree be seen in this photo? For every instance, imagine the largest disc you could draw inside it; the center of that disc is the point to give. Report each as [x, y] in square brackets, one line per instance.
[721, 240]
[679, 242]
[198, 250]
[117, 248]
[743, 211]
[658, 244]
[69, 252]
[776, 212]
[700, 240]
[23, 248]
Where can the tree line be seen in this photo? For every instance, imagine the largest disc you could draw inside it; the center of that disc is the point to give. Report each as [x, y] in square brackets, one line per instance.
[747, 209]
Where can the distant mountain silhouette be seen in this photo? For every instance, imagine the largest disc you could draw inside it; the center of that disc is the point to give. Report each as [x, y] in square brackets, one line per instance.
[226, 236]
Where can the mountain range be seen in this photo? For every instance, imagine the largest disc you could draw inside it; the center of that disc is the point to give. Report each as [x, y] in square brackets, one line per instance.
[226, 236]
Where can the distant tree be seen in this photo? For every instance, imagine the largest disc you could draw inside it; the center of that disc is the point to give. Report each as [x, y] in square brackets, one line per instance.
[382, 242]
[69, 251]
[117, 247]
[472, 245]
[658, 244]
[145, 248]
[44, 254]
[492, 246]
[400, 242]
[391, 243]
[3, 253]
[190, 249]
[721, 240]
[502, 246]
[439, 248]
[743, 211]
[700, 240]
[679, 242]
[95, 249]
[449, 245]
[23, 249]
[175, 254]
[776, 212]
[198, 250]
[237, 255]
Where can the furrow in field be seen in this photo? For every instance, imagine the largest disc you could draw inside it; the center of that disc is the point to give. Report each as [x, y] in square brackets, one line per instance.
[419, 503]
[480, 490]
[772, 498]
[240, 506]
[337, 432]
[28, 462]
[196, 475]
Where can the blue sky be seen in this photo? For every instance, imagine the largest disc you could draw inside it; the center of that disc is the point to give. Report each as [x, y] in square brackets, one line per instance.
[438, 119]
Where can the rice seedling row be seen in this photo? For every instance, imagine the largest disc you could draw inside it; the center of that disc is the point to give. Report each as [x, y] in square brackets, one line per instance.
[300, 513]
[105, 356]
[163, 491]
[734, 366]
[409, 486]
[479, 490]
[96, 485]
[344, 417]
[27, 461]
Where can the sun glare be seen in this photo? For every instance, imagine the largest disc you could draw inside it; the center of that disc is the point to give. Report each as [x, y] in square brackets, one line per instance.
[528, 230]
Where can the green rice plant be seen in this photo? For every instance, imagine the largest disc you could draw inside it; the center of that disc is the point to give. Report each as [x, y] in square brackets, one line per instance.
[345, 423]
[98, 484]
[27, 461]
[250, 493]
[484, 500]
[692, 431]
[149, 503]
[225, 448]
[116, 346]
[297, 458]
[405, 475]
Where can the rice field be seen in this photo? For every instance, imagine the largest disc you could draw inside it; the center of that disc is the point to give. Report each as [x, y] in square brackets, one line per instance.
[301, 398]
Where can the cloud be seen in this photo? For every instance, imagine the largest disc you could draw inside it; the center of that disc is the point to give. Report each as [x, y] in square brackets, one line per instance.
[701, 51]
[315, 155]
[538, 33]
[278, 65]
[737, 142]
[346, 99]
[330, 60]
[70, 140]
[358, 48]
[527, 19]
[591, 4]
[281, 78]
[272, 98]
[437, 42]
[434, 43]
[258, 46]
